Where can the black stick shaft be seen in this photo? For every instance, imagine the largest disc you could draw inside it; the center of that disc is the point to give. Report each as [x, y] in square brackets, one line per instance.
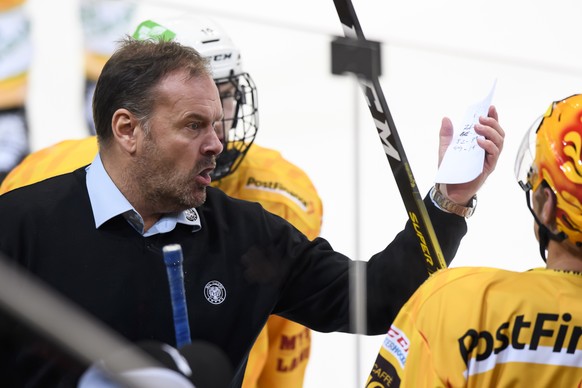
[393, 149]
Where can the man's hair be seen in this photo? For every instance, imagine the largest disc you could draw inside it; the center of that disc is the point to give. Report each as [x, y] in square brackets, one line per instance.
[129, 78]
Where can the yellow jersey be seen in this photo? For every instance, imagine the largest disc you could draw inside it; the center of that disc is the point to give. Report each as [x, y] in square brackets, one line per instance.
[486, 327]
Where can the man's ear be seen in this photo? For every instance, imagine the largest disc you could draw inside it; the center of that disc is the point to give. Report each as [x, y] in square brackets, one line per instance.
[124, 126]
[547, 213]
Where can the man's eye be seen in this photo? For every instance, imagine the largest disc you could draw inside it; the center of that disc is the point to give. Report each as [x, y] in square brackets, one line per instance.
[195, 125]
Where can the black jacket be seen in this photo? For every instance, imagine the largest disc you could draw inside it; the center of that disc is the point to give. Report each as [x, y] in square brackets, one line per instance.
[257, 262]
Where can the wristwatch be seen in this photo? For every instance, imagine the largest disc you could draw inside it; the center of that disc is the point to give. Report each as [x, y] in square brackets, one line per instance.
[447, 205]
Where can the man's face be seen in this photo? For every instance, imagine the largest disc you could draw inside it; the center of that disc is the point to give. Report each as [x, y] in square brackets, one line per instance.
[177, 154]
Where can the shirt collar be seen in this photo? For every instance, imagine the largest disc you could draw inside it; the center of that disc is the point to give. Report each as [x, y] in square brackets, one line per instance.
[108, 202]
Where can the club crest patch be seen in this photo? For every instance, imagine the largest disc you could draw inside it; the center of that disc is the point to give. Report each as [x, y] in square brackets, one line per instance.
[215, 292]
[191, 214]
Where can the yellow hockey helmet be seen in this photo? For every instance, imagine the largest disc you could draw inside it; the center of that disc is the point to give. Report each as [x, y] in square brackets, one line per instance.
[556, 139]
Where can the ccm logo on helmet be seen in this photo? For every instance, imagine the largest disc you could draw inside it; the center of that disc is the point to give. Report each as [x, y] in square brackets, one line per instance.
[520, 334]
[221, 57]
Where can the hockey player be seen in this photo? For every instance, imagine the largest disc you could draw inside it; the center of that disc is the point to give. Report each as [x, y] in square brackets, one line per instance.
[486, 327]
[244, 170]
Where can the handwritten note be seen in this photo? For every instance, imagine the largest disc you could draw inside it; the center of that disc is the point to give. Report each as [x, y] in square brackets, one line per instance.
[463, 160]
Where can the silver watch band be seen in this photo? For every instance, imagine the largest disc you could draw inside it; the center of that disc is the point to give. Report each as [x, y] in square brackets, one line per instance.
[449, 206]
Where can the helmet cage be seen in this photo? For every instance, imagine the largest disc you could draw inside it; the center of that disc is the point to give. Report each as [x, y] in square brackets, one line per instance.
[238, 95]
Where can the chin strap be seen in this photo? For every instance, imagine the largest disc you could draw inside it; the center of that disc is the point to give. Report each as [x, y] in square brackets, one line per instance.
[544, 238]
[544, 234]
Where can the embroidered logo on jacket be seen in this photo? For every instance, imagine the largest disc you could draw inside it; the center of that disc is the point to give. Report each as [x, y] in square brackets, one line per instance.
[191, 214]
[215, 292]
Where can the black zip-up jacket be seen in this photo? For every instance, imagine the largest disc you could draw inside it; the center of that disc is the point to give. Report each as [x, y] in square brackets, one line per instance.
[243, 265]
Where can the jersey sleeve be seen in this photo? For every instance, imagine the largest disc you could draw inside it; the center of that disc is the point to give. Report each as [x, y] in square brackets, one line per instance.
[406, 356]
[58, 159]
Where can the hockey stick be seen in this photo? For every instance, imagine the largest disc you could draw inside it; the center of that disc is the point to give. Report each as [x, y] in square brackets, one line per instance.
[173, 258]
[392, 146]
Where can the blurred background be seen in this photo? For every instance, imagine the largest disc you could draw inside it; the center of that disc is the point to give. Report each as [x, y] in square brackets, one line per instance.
[438, 57]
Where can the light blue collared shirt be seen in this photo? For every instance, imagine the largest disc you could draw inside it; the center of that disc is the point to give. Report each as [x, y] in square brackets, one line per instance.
[107, 202]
